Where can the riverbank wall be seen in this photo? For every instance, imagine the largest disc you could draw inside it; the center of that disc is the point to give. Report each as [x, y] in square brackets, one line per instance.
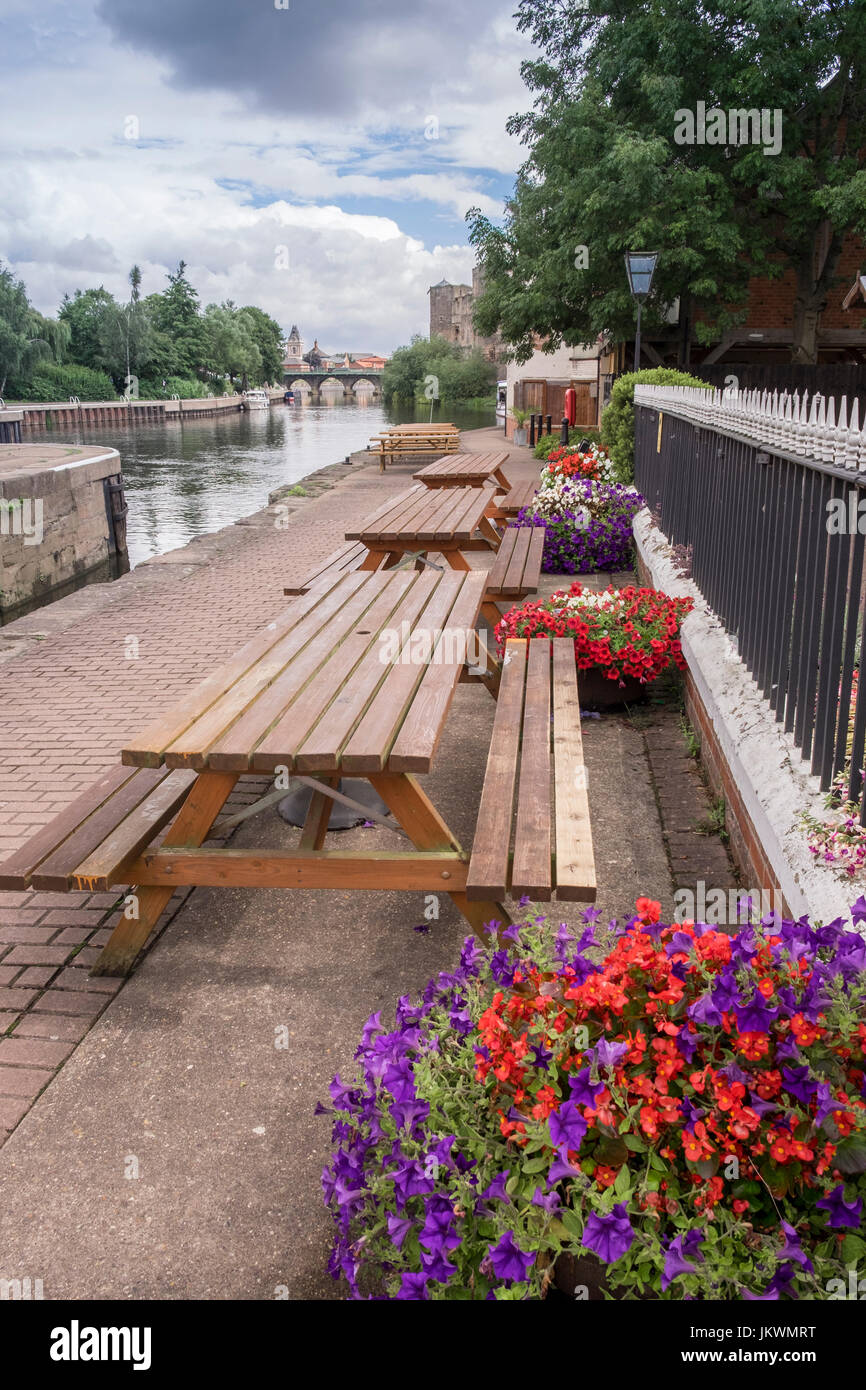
[62, 522]
[39, 416]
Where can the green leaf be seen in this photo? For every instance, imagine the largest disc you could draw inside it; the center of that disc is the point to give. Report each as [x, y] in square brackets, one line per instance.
[853, 1249]
[623, 1182]
[636, 1145]
[572, 1223]
[851, 1154]
[658, 1163]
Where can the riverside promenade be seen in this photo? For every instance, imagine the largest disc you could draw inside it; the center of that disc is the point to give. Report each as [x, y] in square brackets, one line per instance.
[160, 1136]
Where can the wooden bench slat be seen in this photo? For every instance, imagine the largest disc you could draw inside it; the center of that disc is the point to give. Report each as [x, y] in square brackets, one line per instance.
[342, 561]
[16, 871]
[531, 867]
[575, 863]
[488, 867]
[518, 497]
[496, 574]
[99, 870]
[416, 743]
[514, 576]
[56, 872]
[367, 749]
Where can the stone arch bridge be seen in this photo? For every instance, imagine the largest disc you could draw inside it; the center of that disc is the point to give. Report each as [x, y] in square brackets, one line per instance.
[347, 378]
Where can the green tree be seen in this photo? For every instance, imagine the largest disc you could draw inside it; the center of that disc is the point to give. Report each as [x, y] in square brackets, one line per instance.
[230, 348]
[610, 169]
[86, 315]
[175, 315]
[407, 370]
[26, 336]
[268, 337]
[126, 336]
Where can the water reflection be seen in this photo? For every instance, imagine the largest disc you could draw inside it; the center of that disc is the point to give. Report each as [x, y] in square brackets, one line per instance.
[184, 480]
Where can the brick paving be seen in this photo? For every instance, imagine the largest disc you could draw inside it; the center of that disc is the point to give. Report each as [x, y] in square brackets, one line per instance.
[78, 679]
[71, 696]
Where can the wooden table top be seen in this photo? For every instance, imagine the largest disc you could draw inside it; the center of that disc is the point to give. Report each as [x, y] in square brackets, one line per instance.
[462, 468]
[435, 427]
[424, 514]
[355, 678]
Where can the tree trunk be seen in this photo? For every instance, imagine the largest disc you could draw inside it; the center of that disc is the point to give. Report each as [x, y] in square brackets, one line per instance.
[811, 297]
[684, 343]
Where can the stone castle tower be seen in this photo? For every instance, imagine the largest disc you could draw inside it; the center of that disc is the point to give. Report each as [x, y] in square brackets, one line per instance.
[451, 316]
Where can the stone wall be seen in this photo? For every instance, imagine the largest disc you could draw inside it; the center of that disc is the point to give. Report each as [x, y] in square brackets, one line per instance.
[54, 526]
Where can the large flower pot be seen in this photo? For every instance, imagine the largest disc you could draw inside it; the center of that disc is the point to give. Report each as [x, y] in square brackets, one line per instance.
[595, 691]
[519, 436]
[582, 1277]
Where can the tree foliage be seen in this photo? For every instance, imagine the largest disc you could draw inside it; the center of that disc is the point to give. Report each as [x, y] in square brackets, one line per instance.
[26, 337]
[433, 368]
[605, 173]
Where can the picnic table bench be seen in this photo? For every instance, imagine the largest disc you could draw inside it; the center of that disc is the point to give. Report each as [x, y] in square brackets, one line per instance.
[419, 520]
[516, 498]
[533, 833]
[465, 470]
[336, 685]
[415, 439]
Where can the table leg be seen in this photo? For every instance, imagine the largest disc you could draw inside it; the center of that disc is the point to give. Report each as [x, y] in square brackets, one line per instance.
[207, 797]
[318, 817]
[373, 559]
[489, 531]
[427, 830]
[456, 559]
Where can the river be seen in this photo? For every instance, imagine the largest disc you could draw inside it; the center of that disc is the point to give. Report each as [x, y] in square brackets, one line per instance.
[184, 480]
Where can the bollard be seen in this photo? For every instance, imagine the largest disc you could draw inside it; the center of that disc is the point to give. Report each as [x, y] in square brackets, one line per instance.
[563, 433]
[532, 431]
[549, 423]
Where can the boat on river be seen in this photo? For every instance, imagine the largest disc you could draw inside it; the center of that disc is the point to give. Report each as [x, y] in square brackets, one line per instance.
[257, 400]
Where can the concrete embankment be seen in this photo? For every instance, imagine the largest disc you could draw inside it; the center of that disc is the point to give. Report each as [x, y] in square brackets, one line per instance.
[74, 414]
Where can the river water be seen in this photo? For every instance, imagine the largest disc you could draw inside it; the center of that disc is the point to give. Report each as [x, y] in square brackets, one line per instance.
[184, 480]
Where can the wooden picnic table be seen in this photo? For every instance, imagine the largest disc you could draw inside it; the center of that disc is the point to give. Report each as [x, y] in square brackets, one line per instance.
[356, 680]
[465, 470]
[436, 438]
[423, 519]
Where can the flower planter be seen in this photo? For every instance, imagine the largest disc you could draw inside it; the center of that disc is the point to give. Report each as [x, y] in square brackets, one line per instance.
[595, 691]
[519, 436]
[572, 1274]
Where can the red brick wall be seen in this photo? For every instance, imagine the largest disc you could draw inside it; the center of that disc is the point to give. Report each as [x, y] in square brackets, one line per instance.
[771, 302]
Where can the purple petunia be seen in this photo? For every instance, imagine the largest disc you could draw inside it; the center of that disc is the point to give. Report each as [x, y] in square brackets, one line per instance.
[610, 1236]
[841, 1213]
[567, 1127]
[681, 1253]
[509, 1261]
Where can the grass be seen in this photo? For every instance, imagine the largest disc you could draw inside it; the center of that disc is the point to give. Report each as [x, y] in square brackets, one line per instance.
[714, 822]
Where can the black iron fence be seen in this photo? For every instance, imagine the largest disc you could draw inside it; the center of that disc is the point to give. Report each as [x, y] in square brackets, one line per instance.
[777, 552]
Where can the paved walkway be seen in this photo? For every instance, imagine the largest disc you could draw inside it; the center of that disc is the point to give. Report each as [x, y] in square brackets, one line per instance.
[175, 1152]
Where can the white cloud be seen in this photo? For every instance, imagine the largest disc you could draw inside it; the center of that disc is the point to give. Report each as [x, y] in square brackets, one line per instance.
[221, 186]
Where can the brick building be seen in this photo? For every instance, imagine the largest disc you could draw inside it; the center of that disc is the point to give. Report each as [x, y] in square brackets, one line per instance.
[451, 317]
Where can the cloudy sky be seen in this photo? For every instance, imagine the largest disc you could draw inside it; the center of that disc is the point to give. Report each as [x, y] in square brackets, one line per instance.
[316, 159]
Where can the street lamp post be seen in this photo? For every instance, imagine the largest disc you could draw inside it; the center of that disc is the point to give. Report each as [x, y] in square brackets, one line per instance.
[640, 267]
